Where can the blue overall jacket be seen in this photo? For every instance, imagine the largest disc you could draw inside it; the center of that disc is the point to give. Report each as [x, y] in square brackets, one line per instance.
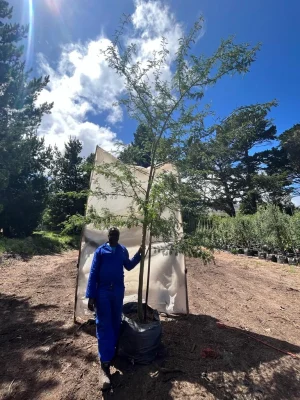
[107, 268]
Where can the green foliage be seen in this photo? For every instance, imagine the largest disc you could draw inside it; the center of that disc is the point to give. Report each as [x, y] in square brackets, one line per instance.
[295, 230]
[290, 143]
[74, 224]
[39, 243]
[70, 176]
[226, 167]
[170, 109]
[242, 228]
[23, 205]
[268, 228]
[273, 227]
[23, 156]
[218, 232]
[139, 151]
[191, 247]
[69, 171]
[61, 207]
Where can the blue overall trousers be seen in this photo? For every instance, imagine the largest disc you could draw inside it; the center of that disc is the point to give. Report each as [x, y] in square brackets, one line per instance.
[106, 286]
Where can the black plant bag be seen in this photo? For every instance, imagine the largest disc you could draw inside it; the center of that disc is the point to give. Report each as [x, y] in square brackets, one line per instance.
[139, 343]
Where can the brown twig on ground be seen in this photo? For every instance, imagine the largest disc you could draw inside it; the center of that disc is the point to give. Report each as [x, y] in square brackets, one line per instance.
[193, 348]
[91, 345]
[169, 370]
[10, 386]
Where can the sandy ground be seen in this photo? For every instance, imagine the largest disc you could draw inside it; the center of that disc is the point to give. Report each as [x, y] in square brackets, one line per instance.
[44, 356]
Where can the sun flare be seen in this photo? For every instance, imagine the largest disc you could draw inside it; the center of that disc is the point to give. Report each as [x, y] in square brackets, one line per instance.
[54, 5]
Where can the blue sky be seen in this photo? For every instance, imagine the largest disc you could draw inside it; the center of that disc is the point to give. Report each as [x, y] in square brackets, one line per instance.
[66, 37]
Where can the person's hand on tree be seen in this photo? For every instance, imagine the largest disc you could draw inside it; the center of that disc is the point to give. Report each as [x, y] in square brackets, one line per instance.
[91, 304]
[140, 250]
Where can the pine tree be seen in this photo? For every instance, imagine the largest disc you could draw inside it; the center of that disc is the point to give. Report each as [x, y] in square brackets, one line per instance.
[139, 151]
[225, 167]
[23, 156]
[290, 144]
[70, 176]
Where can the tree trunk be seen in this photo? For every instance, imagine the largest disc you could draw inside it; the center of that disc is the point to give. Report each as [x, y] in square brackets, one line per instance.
[7, 232]
[232, 209]
[148, 277]
[144, 235]
[141, 276]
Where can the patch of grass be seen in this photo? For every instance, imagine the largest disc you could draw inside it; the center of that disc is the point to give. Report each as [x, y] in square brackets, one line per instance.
[292, 269]
[40, 243]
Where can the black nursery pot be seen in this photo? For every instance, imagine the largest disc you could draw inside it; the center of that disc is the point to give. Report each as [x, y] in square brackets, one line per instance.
[248, 252]
[281, 259]
[262, 255]
[139, 342]
[293, 260]
[271, 257]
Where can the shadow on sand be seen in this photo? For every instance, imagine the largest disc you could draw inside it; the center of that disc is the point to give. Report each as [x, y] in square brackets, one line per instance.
[243, 368]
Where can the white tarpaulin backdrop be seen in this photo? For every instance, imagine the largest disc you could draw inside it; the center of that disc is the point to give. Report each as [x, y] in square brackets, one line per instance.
[168, 290]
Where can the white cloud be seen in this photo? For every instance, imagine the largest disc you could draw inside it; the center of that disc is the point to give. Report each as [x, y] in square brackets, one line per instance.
[83, 84]
[153, 20]
[296, 201]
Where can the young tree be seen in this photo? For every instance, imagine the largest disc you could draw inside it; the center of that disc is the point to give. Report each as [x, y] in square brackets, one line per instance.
[23, 156]
[170, 110]
[139, 153]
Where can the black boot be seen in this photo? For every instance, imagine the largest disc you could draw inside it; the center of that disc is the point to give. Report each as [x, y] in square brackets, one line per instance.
[104, 378]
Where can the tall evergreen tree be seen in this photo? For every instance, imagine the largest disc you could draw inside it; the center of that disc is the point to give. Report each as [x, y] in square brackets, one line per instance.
[290, 144]
[225, 166]
[274, 183]
[23, 156]
[139, 151]
[68, 169]
[70, 176]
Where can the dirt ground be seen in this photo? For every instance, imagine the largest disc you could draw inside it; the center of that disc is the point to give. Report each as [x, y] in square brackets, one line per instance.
[44, 356]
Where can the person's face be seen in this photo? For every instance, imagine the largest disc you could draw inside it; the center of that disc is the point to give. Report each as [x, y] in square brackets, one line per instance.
[113, 238]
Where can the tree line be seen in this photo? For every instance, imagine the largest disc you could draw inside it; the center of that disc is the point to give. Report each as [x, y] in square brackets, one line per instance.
[243, 163]
[239, 161]
[38, 184]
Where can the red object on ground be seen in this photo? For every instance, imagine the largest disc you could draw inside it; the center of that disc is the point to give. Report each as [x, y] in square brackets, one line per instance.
[209, 353]
[223, 326]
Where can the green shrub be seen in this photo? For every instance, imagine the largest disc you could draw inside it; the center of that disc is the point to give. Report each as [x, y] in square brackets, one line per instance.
[272, 228]
[269, 227]
[39, 243]
[243, 230]
[295, 230]
[74, 224]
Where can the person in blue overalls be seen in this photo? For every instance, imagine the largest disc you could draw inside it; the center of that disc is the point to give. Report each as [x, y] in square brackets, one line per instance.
[105, 293]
